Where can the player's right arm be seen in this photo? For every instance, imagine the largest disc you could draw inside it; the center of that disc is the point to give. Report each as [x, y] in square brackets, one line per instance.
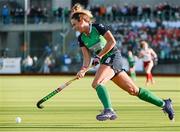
[86, 57]
[86, 62]
[140, 55]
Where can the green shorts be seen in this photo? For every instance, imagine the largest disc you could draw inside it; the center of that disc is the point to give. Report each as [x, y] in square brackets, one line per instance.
[114, 61]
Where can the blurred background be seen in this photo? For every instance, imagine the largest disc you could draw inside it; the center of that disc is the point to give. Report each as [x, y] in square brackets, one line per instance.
[36, 36]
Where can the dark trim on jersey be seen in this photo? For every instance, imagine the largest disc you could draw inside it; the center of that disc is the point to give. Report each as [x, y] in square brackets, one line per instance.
[99, 27]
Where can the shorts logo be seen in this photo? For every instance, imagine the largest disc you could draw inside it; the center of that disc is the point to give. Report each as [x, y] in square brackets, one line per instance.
[108, 60]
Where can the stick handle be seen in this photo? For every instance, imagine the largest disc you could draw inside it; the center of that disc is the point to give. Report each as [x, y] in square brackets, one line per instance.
[66, 84]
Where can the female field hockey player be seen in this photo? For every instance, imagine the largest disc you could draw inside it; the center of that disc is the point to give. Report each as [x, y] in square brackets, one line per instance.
[97, 41]
[131, 61]
[149, 58]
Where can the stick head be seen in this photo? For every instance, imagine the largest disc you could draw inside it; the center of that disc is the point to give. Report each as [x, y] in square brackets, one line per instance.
[39, 104]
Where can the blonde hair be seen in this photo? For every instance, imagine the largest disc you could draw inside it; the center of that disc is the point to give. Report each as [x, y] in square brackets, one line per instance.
[143, 43]
[78, 12]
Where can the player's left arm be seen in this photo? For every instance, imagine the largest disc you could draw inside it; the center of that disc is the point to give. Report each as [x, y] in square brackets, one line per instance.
[153, 53]
[154, 57]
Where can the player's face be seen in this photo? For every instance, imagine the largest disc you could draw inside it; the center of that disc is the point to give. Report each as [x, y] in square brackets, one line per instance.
[129, 53]
[77, 25]
[144, 45]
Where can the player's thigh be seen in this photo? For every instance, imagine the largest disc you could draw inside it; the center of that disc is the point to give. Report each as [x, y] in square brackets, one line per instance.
[126, 83]
[103, 74]
[149, 67]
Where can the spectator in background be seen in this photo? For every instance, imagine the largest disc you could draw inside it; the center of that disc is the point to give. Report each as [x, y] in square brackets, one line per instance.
[48, 49]
[32, 14]
[21, 15]
[45, 15]
[16, 15]
[35, 63]
[46, 65]
[5, 14]
[60, 14]
[4, 52]
[39, 15]
[27, 64]
[109, 13]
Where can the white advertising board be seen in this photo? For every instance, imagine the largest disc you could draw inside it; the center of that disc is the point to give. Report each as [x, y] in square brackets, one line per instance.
[10, 65]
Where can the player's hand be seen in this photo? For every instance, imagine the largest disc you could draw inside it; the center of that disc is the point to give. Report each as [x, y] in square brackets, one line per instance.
[96, 60]
[82, 72]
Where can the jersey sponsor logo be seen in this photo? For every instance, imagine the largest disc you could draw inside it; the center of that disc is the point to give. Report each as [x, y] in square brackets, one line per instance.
[96, 47]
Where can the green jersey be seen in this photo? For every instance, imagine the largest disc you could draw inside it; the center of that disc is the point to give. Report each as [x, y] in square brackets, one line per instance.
[95, 41]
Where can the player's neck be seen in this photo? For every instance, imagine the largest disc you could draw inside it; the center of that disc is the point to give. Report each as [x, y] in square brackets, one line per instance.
[88, 29]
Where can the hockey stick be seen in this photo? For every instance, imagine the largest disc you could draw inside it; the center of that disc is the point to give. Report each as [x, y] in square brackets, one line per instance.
[57, 90]
[39, 103]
